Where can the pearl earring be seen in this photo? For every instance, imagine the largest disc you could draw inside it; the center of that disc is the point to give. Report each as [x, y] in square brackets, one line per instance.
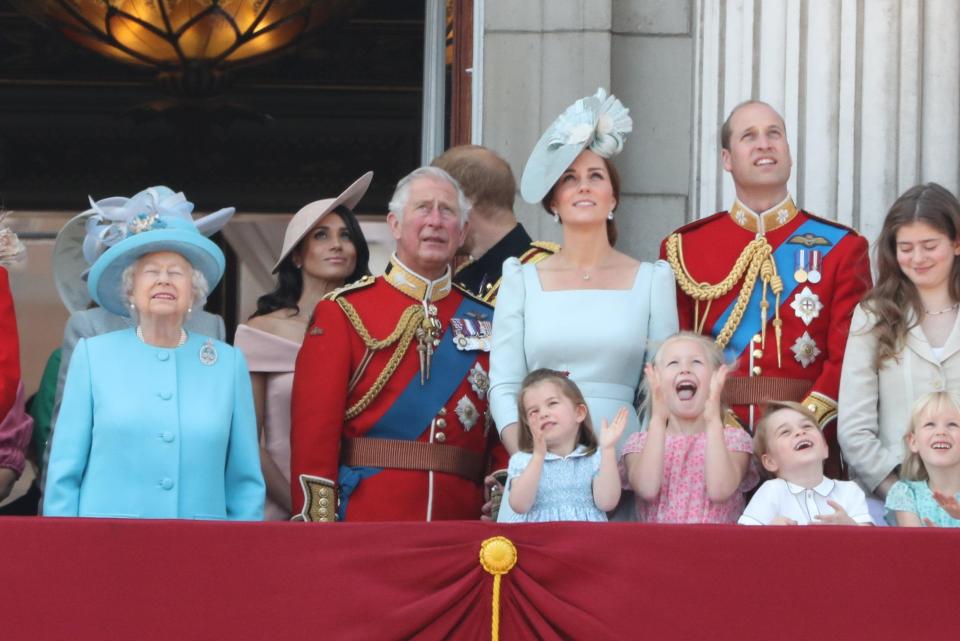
[556, 217]
[190, 310]
[610, 215]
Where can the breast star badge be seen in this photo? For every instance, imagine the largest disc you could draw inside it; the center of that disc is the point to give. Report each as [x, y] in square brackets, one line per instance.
[806, 305]
[805, 349]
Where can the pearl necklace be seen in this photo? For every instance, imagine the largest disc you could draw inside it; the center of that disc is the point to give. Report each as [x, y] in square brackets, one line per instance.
[183, 336]
[942, 311]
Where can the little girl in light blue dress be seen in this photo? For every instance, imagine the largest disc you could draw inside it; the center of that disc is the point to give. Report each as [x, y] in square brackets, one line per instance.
[561, 472]
[931, 463]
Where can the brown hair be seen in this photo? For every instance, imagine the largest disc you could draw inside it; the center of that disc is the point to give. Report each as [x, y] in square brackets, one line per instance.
[614, 182]
[570, 390]
[726, 130]
[485, 177]
[763, 425]
[892, 300]
[912, 468]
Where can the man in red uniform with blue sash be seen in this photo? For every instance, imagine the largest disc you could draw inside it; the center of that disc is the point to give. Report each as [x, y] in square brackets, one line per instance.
[389, 417]
[774, 285]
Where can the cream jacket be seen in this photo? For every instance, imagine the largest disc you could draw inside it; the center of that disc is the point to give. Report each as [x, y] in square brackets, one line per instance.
[874, 411]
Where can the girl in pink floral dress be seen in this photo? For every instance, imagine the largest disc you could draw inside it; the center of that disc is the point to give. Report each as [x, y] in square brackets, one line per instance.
[688, 467]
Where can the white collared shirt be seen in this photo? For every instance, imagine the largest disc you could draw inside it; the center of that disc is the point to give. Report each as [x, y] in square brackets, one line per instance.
[782, 498]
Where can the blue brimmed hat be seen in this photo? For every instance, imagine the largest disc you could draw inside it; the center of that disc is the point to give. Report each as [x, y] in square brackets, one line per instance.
[88, 235]
[599, 122]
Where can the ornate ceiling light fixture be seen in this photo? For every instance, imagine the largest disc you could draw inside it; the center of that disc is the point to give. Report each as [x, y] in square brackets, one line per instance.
[190, 43]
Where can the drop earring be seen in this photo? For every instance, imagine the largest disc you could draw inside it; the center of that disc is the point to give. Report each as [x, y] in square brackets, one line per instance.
[610, 215]
[556, 217]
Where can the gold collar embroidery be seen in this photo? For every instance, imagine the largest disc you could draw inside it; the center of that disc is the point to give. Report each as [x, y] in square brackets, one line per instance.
[777, 216]
[414, 285]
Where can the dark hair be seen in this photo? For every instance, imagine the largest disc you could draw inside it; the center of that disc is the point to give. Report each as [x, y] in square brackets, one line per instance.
[568, 388]
[614, 182]
[726, 130]
[894, 296]
[485, 177]
[289, 287]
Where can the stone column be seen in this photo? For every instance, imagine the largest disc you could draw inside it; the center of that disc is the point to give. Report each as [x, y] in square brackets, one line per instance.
[868, 90]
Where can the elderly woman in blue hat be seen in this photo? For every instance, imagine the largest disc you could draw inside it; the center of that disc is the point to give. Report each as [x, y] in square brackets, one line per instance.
[589, 309]
[156, 422]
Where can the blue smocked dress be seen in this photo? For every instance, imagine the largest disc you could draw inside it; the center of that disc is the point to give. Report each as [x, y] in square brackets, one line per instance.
[916, 497]
[602, 337]
[565, 492]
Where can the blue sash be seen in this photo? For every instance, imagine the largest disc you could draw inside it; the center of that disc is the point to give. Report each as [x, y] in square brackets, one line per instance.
[783, 257]
[418, 404]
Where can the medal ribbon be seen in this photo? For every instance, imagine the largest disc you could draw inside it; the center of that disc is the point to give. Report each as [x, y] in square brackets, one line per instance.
[784, 258]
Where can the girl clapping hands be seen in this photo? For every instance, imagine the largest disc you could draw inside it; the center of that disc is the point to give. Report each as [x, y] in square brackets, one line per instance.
[688, 467]
[561, 473]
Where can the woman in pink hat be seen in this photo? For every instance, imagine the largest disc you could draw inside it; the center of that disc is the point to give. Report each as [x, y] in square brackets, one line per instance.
[323, 249]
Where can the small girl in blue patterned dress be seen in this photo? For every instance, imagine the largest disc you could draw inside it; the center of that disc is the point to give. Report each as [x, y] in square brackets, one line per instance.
[561, 472]
[931, 465]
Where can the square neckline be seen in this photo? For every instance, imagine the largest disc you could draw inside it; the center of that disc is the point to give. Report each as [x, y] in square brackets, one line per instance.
[633, 286]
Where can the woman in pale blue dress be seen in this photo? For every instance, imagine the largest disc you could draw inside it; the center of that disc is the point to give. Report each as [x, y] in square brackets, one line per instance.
[589, 310]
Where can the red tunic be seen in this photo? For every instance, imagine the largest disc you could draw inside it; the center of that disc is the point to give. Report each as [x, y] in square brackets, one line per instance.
[712, 245]
[331, 354]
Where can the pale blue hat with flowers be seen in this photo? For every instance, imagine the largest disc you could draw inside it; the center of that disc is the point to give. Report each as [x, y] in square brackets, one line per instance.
[599, 122]
[109, 221]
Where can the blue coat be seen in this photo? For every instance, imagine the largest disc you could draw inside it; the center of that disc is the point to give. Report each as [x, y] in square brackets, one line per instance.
[148, 432]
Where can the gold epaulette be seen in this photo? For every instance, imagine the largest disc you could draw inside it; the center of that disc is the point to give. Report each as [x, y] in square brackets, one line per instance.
[365, 281]
[539, 249]
[468, 294]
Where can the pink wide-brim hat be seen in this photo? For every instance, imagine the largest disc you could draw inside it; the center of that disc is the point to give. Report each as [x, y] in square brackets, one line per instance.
[309, 215]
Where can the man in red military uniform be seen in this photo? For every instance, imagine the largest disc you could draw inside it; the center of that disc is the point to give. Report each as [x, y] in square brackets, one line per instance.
[776, 286]
[390, 416]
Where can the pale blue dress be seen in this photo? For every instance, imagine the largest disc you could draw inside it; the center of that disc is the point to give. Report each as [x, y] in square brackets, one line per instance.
[602, 337]
[916, 497]
[565, 492]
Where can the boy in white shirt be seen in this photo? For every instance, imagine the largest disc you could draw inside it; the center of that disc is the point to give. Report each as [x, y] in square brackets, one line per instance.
[789, 444]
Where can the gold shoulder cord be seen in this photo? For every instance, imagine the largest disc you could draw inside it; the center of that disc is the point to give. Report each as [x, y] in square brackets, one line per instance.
[755, 260]
[402, 334]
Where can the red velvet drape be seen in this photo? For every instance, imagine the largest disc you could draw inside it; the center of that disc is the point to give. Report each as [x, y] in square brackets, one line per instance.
[100, 579]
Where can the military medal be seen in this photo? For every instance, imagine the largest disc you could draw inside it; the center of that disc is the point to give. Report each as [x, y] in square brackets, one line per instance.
[208, 353]
[467, 413]
[471, 334]
[805, 349]
[800, 266]
[806, 305]
[479, 381]
[816, 266]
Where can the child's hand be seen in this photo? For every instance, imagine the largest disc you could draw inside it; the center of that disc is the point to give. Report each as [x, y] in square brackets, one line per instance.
[713, 411]
[539, 440]
[839, 517]
[658, 405]
[949, 504]
[610, 433]
[783, 520]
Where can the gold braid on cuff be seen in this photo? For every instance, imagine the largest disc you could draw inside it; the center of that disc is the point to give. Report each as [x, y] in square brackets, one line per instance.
[823, 407]
[319, 499]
